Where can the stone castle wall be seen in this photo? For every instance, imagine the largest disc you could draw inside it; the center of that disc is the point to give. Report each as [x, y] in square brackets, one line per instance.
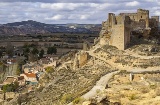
[117, 38]
[117, 29]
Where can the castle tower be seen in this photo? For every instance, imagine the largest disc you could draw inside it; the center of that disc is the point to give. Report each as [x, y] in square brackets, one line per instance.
[111, 19]
[143, 15]
[156, 18]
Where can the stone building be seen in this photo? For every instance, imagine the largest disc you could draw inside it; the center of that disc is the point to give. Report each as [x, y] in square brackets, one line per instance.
[116, 30]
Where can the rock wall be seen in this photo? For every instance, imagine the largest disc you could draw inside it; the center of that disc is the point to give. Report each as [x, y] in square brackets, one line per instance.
[81, 58]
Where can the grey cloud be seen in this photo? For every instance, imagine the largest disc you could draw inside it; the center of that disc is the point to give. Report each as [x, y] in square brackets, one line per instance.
[56, 11]
[56, 1]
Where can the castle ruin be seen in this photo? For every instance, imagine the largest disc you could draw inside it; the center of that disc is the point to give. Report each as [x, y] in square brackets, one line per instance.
[116, 30]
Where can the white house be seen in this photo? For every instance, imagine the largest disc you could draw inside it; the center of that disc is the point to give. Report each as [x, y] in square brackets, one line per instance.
[30, 78]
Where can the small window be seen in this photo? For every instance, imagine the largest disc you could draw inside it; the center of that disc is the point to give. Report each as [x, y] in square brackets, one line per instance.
[141, 16]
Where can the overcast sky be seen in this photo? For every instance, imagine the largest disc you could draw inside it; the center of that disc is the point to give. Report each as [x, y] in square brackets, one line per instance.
[70, 11]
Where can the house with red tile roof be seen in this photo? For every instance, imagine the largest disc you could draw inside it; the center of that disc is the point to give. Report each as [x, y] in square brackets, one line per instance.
[30, 78]
[11, 61]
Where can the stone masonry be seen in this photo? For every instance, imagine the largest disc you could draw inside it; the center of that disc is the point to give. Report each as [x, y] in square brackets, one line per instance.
[116, 30]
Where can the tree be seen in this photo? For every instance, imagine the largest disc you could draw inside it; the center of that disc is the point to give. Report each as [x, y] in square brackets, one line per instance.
[35, 51]
[26, 52]
[9, 49]
[1, 53]
[52, 50]
[18, 71]
[32, 57]
[49, 69]
[39, 36]
[20, 62]
[41, 53]
[10, 87]
[25, 45]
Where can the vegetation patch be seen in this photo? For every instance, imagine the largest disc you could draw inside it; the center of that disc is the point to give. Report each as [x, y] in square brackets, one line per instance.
[67, 98]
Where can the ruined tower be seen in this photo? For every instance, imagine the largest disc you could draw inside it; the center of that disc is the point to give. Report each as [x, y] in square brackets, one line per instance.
[116, 30]
[143, 15]
[156, 19]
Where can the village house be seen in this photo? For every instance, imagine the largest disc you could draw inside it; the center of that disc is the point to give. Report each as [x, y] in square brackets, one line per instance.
[11, 61]
[30, 78]
[49, 60]
[5, 56]
[9, 80]
[45, 61]
[18, 52]
[51, 57]
[32, 67]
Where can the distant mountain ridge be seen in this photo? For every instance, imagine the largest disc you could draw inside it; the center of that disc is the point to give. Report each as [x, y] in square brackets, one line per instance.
[33, 27]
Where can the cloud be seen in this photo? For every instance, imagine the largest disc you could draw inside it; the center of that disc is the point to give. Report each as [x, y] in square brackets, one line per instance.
[56, 17]
[157, 13]
[133, 3]
[69, 11]
[57, 1]
[84, 17]
[61, 6]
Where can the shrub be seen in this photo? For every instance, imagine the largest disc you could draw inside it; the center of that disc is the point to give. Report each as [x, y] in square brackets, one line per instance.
[133, 97]
[93, 101]
[98, 91]
[77, 100]
[144, 90]
[10, 87]
[123, 71]
[49, 69]
[66, 98]
[153, 86]
[40, 89]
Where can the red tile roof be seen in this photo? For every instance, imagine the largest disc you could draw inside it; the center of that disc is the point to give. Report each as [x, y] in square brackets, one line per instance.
[30, 75]
[11, 60]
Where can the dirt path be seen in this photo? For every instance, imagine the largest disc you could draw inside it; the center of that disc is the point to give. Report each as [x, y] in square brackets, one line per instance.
[100, 85]
[140, 56]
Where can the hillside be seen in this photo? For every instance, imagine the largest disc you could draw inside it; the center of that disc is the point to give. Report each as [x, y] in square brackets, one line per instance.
[79, 71]
[33, 27]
